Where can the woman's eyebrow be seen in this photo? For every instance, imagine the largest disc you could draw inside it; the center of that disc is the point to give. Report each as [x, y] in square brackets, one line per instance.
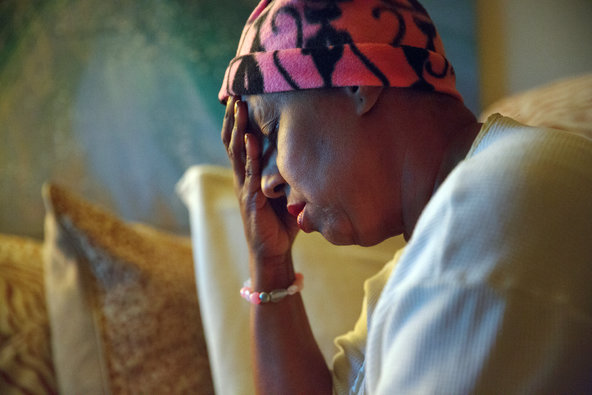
[262, 118]
[265, 127]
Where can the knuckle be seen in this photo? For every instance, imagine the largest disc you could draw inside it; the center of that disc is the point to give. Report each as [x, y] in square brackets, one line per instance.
[246, 200]
[235, 152]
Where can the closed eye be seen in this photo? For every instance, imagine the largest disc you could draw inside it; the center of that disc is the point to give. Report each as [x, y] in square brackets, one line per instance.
[270, 131]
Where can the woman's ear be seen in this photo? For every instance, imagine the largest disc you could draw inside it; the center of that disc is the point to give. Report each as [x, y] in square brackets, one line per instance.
[364, 97]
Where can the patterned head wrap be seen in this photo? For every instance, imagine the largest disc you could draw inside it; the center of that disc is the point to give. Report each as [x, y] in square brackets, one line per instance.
[304, 44]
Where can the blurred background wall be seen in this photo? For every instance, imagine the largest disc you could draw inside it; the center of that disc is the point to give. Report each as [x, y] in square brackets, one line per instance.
[115, 99]
[112, 98]
[526, 43]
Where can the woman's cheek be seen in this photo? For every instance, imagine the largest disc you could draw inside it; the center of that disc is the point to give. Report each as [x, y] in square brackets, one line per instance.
[288, 166]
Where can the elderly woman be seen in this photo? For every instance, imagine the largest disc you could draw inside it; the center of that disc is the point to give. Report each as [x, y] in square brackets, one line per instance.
[342, 117]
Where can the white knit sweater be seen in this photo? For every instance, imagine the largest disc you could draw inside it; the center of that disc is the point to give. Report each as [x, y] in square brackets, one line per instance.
[493, 293]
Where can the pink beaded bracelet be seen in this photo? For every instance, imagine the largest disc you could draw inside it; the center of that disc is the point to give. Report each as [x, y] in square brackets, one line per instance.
[273, 296]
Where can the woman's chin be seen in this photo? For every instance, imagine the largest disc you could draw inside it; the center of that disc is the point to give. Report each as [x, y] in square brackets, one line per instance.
[338, 238]
[338, 230]
[352, 238]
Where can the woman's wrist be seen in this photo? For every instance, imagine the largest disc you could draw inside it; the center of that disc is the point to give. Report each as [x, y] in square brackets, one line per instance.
[272, 273]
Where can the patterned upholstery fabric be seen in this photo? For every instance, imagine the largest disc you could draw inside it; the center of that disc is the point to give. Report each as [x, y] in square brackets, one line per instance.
[25, 356]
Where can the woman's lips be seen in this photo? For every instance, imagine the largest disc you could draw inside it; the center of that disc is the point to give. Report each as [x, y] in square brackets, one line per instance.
[297, 210]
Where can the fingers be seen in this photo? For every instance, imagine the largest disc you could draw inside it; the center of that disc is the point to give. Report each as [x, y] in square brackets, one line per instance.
[236, 145]
[243, 149]
[253, 164]
[228, 123]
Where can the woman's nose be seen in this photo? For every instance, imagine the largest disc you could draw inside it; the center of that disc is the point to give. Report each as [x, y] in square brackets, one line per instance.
[272, 183]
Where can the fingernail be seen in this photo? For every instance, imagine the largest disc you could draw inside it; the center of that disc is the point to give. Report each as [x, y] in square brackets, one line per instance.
[236, 107]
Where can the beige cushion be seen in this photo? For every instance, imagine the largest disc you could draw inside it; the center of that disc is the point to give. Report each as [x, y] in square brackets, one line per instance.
[333, 277]
[565, 104]
[25, 354]
[122, 303]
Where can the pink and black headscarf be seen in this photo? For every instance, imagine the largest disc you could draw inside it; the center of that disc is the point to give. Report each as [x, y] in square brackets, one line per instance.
[304, 44]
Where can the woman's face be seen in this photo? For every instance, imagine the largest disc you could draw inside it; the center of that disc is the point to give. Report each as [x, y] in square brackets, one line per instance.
[323, 157]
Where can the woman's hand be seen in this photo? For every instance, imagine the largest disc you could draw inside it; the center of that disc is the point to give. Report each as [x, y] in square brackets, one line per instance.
[283, 343]
[269, 228]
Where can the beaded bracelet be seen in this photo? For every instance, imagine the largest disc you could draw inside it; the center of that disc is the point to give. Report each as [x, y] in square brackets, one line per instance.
[273, 296]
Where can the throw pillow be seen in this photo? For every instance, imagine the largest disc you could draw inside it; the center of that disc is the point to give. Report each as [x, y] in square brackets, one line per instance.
[333, 277]
[565, 104]
[122, 303]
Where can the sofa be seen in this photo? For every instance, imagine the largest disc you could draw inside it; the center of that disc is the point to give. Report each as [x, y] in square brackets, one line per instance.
[105, 305]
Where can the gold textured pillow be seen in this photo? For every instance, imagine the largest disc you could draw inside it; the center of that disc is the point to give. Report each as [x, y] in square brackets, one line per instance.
[25, 356]
[123, 303]
[565, 104]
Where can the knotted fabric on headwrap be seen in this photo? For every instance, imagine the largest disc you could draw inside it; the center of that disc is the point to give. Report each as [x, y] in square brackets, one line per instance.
[304, 44]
